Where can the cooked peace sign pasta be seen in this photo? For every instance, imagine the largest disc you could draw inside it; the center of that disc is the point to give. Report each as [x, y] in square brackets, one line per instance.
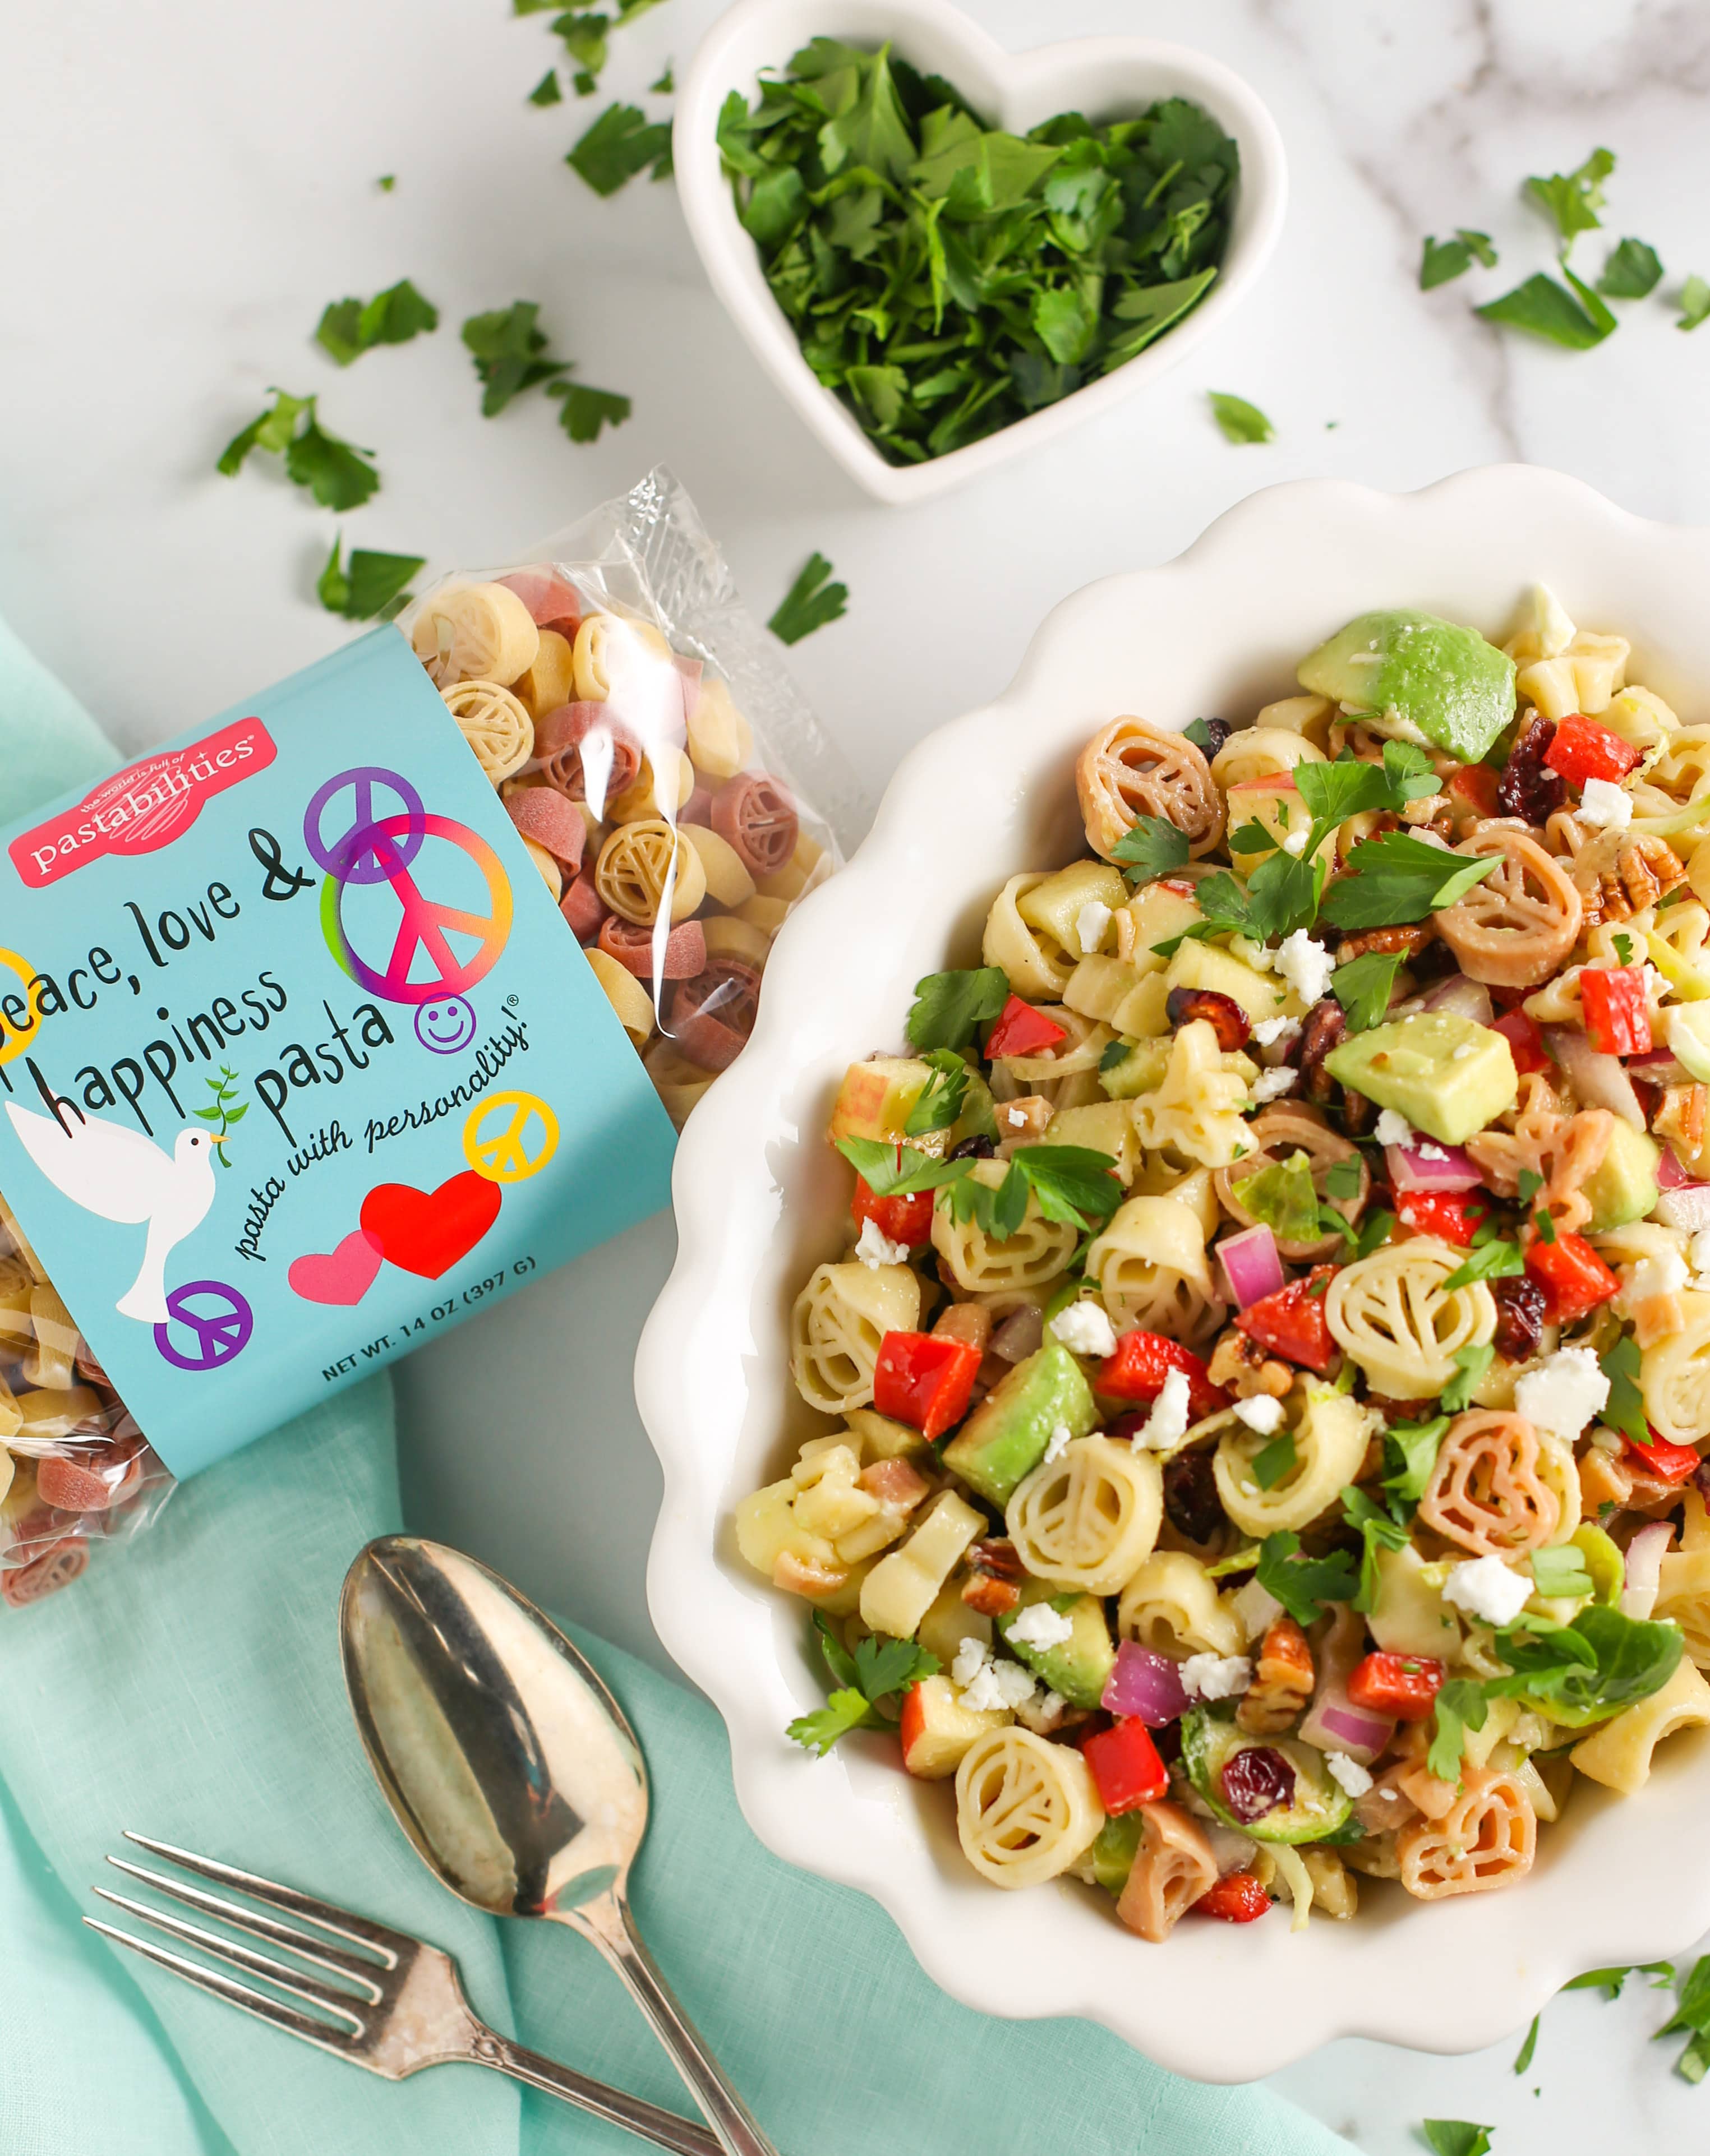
[1487, 1838]
[1173, 1866]
[1025, 1810]
[1330, 1439]
[1392, 1313]
[840, 1320]
[1152, 1271]
[1037, 1252]
[1516, 927]
[1130, 769]
[1089, 1518]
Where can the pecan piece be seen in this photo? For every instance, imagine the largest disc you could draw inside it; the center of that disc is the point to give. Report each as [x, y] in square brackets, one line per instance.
[991, 1598]
[1224, 1015]
[1242, 1367]
[1527, 787]
[1283, 1678]
[1520, 1306]
[999, 1556]
[1321, 1029]
[1411, 937]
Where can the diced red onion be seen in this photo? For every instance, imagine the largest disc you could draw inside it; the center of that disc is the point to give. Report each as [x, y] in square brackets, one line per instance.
[1600, 1080]
[1643, 1575]
[1250, 1265]
[1661, 1067]
[1671, 1176]
[1350, 1729]
[1431, 1166]
[1688, 1207]
[1020, 1336]
[1146, 1685]
[1460, 999]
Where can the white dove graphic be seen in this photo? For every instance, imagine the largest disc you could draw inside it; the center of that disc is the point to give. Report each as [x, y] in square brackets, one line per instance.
[121, 1175]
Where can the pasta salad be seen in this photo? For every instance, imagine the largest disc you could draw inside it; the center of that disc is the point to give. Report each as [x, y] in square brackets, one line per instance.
[1266, 1380]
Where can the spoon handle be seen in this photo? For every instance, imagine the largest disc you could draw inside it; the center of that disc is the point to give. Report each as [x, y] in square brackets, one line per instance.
[664, 2128]
[621, 1944]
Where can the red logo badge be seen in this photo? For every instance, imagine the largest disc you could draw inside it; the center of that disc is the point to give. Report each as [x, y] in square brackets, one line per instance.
[144, 808]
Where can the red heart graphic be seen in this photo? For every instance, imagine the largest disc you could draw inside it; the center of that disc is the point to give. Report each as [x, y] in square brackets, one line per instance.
[427, 1234]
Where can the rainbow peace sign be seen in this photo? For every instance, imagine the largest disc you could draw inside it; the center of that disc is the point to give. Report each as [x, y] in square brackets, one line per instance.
[424, 927]
[496, 1137]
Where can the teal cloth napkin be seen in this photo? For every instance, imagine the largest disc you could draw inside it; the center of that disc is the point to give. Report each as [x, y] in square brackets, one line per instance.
[188, 1686]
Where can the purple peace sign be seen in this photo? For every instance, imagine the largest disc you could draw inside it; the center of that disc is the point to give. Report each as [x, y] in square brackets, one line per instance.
[368, 852]
[221, 1332]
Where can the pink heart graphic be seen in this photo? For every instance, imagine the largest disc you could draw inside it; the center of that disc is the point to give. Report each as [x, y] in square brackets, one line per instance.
[341, 1276]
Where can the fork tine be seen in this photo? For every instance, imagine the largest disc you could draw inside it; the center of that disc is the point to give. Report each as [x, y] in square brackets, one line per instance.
[297, 1982]
[359, 1969]
[273, 2011]
[360, 1931]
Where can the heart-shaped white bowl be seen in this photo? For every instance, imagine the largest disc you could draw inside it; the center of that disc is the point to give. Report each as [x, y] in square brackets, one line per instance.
[1106, 78]
[761, 1198]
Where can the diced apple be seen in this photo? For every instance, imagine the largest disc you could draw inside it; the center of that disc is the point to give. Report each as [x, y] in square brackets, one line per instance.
[937, 1729]
[874, 1099]
[901, 1588]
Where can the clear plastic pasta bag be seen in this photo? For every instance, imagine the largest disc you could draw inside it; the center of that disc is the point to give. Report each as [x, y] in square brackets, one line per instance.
[671, 789]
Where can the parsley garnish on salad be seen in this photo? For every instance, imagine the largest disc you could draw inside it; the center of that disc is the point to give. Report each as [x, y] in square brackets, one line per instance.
[812, 602]
[1395, 878]
[348, 328]
[1303, 1584]
[879, 1669]
[948, 1007]
[1238, 420]
[1362, 987]
[1154, 847]
[337, 474]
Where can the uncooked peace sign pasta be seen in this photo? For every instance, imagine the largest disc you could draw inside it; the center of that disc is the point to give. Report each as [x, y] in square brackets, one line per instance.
[1288, 1253]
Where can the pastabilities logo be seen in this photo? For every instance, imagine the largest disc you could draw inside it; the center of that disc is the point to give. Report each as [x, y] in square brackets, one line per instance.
[143, 808]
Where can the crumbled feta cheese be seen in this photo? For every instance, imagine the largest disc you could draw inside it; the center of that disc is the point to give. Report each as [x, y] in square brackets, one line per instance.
[1666, 1275]
[1084, 1328]
[1564, 1392]
[1306, 965]
[1042, 1713]
[1215, 1676]
[1270, 1030]
[1487, 1588]
[1431, 1152]
[1466, 1048]
[971, 1658]
[1091, 923]
[1604, 806]
[1392, 1129]
[1018, 1118]
[1039, 1626]
[999, 1684]
[1167, 1424]
[1349, 1771]
[1271, 1084]
[1295, 843]
[1260, 1413]
[877, 1248]
[1061, 1438]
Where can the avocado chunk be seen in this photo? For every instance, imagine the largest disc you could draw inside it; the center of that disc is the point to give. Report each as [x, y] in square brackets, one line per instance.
[1319, 1804]
[1140, 1071]
[1007, 1434]
[1111, 1856]
[1623, 1185]
[1422, 677]
[1078, 1668]
[1447, 1075]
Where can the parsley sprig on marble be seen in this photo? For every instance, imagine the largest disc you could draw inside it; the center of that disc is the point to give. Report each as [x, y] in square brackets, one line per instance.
[946, 277]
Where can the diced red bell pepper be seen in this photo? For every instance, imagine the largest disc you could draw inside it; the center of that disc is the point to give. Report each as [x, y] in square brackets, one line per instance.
[1141, 1363]
[1582, 749]
[1452, 1214]
[1668, 1463]
[1477, 784]
[1525, 1041]
[1401, 1685]
[904, 1219]
[1126, 1769]
[924, 1379]
[1022, 1031]
[1616, 1020]
[1291, 1322]
[1237, 1899]
[1572, 1275]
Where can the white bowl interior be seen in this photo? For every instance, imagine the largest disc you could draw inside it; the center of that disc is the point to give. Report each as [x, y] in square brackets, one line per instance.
[760, 1199]
[1103, 77]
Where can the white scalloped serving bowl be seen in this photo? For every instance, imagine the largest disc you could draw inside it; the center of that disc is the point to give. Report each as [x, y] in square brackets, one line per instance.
[760, 1199]
[1106, 78]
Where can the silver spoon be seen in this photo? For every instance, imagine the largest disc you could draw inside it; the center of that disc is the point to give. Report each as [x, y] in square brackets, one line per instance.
[512, 1770]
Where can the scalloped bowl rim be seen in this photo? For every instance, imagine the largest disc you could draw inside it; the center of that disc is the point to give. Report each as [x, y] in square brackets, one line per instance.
[757, 1203]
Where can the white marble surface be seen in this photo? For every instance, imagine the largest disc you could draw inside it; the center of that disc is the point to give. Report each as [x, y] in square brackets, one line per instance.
[185, 187]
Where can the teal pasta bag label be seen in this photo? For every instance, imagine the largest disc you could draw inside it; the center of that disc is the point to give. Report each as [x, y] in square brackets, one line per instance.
[299, 1063]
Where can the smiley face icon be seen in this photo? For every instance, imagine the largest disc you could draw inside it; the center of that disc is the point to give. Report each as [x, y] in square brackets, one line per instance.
[446, 1025]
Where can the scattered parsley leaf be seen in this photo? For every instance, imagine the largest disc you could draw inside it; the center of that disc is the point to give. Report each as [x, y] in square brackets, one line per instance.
[1531, 1183]
[1560, 1571]
[386, 183]
[1458, 1707]
[1544, 309]
[1693, 2013]
[884, 1665]
[1115, 1051]
[811, 601]
[1631, 272]
[336, 473]
[582, 411]
[1362, 987]
[1239, 421]
[368, 588]
[1274, 1460]
[1544, 1222]
[1411, 1453]
[271, 430]
[899, 1171]
[1074, 1185]
[348, 327]
[1445, 260]
[1609, 1981]
[1572, 200]
[1493, 1260]
[1694, 303]
[997, 1210]
[1457, 2137]
[1303, 1585]
[1152, 846]
[939, 1102]
[666, 85]
[1523, 2057]
[818, 1731]
[622, 143]
[1341, 1178]
[1471, 1365]
[547, 92]
[1395, 878]
[1625, 1408]
[510, 353]
[948, 1007]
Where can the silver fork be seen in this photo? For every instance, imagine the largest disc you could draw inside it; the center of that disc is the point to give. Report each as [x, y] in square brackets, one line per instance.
[386, 2001]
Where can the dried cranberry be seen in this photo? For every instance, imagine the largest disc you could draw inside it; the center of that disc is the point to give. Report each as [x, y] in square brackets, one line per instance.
[1521, 1303]
[1224, 1014]
[979, 1147]
[1216, 733]
[1321, 1029]
[1528, 787]
[1190, 1496]
[1256, 1781]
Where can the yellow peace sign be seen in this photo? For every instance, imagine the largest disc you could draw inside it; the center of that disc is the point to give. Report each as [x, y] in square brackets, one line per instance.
[14, 1040]
[502, 1154]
